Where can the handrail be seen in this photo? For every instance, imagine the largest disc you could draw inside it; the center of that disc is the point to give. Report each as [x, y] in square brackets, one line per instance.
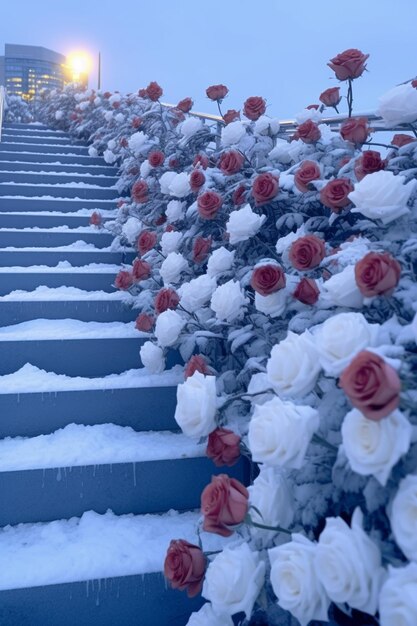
[2, 102]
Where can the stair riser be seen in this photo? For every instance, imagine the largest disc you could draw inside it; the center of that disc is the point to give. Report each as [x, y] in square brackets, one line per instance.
[28, 156]
[96, 170]
[85, 311]
[62, 206]
[77, 259]
[44, 179]
[30, 239]
[46, 140]
[30, 281]
[58, 192]
[41, 148]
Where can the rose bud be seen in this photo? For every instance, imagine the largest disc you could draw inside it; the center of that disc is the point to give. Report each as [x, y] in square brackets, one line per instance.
[96, 219]
[308, 171]
[401, 139]
[371, 385]
[136, 122]
[355, 130]
[307, 252]
[231, 116]
[123, 280]
[161, 219]
[254, 107]
[197, 363]
[335, 194]
[116, 105]
[141, 270]
[201, 249]
[156, 158]
[133, 171]
[231, 162]
[144, 322]
[185, 105]
[414, 83]
[166, 299]
[197, 180]
[267, 279]
[107, 95]
[201, 160]
[154, 91]
[239, 196]
[140, 192]
[173, 163]
[124, 142]
[265, 187]
[208, 204]
[313, 107]
[146, 241]
[170, 228]
[369, 162]
[217, 92]
[184, 566]
[224, 503]
[142, 93]
[223, 447]
[308, 132]
[330, 97]
[307, 291]
[377, 274]
[349, 64]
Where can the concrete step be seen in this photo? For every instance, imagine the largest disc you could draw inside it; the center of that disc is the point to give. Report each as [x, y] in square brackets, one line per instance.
[43, 157]
[27, 257]
[48, 204]
[52, 219]
[53, 237]
[80, 169]
[40, 148]
[90, 278]
[46, 139]
[32, 128]
[42, 178]
[80, 190]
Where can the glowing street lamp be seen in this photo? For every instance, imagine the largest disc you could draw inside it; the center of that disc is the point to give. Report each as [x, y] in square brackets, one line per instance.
[79, 65]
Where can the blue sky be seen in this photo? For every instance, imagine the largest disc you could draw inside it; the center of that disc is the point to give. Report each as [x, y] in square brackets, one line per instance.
[273, 48]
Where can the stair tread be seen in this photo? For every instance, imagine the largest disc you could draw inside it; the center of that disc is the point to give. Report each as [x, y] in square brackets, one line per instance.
[69, 329]
[66, 294]
[74, 165]
[69, 185]
[63, 267]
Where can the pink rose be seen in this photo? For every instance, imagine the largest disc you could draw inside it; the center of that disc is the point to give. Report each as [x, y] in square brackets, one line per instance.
[185, 105]
[401, 139]
[140, 192]
[144, 322]
[308, 171]
[197, 363]
[146, 241]
[209, 204]
[307, 291]
[349, 64]
[224, 503]
[123, 280]
[231, 116]
[201, 249]
[330, 97]
[231, 162]
[141, 270]
[166, 299]
[355, 130]
[265, 187]
[184, 567]
[377, 274]
[335, 194]
[267, 279]
[223, 447]
[156, 158]
[369, 162]
[96, 219]
[197, 179]
[217, 92]
[307, 252]
[308, 132]
[154, 91]
[254, 107]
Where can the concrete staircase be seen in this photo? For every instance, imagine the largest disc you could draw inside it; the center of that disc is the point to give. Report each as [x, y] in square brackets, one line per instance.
[94, 477]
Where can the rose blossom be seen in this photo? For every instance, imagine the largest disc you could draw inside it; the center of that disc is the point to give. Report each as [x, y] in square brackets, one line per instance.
[273, 305]
[175, 210]
[335, 194]
[197, 292]
[341, 289]
[224, 503]
[371, 385]
[355, 130]
[180, 185]
[184, 567]
[239, 196]
[137, 141]
[399, 105]
[140, 192]
[307, 291]
[201, 249]
[397, 600]
[267, 279]
[265, 188]
[223, 447]
[217, 92]
[185, 105]
[209, 204]
[207, 617]
[190, 126]
[172, 267]
[228, 301]
[201, 160]
[220, 261]
[403, 516]
[330, 97]
[166, 299]
[400, 140]
[349, 64]
[152, 357]
[233, 133]
[141, 270]
[231, 116]
[267, 126]
[144, 322]
[154, 91]
[197, 179]
[136, 122]
[307, 172]
[377, 274]
[231, 162]
[170, 241]
[96, 219]
[243, 224]
[307, 252]
[270, 494]
[146, 241]
[165, 181]
[373, 448]
[308, 132]
[369, 162]
[197, 363]
[382, 195]
[123, 280]
[156, 158]
[168, 327]
[254, 107]
[196, 405]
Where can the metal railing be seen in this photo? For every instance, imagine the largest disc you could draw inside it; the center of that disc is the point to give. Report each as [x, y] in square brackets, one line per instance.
[2, 106]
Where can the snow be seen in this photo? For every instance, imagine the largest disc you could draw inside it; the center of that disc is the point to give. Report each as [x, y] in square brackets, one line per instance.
[31, 379]
[93, 547]
[63, 267]
[42, 173]
[76, 246]
[107, 167]
[70, 185]
[69, 329]
[79, 445]
[54, 229]
[80, 213]
[88, 201]
[50, 294]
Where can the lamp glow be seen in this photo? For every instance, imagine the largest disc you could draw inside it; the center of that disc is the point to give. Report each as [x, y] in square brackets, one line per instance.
[79, 63]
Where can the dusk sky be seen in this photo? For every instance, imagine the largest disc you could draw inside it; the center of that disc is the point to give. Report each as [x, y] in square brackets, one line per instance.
[273, 48]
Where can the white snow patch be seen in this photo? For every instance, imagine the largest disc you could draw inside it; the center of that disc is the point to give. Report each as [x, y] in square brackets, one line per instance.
[63, 267]
[55, 294]
[69, 329]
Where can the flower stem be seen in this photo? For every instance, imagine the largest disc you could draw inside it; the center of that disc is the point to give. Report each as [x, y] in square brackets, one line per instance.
[350, 98]
[278, 529]
[319, 440]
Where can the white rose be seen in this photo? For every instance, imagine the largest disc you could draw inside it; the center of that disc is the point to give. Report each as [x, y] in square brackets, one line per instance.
[168, 327]
[137, 142]
[165, 181]
[84, 106]
[267, 126]
[170, 241]
[220, 261]
[108, 115]
[233, 580]
[174, 211]
[207, 617]
[152, 357]
[280, 433]
[228, 300]
[308, 114]
[109, 156]
[92, 151]
[274, 304]
[172, 267]
[97, 101]
[374, 447]
[293, 366]
[272, 497]
[190, 126]
[197, 292]
[285, 152]
[196, 405]
[348, 564]
[341, 289]
[180, 185]
[399, 105]
[340, 338]
[294, 580]
[398, 598]
[233, 133]
[243, 224]
[119, 118]
[111, 144]
[382, 195]
[131, 229]
[59, 115]
[116, 97]
[145, 169]
[403, 516]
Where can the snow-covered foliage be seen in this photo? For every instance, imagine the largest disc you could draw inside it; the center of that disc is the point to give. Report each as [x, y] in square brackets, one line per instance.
[17, 110]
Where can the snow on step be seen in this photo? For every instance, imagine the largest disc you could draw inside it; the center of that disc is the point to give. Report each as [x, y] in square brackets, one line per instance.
[78, 213]
[93, 547]
[32, 379]
[87, 200]
[75, 246]
[64, 267]
[69, 329]
[79, 445]
[55, 229]
[51, 294]
[57, 173]
[58, 163]
[69, 185]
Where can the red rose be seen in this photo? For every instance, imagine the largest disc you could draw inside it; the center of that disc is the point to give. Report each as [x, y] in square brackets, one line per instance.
[144, 322]
[307, 291]
[209, 204]
[313, 107]
[170, 228]
[197, 179]
[156, 158]
[177, 116]
[185, 105]
[231, 116]
[371, 385]
[355, 130]
[140, 192]
[267, 279]
[161, 219]
[369, 162]
[184, 567]
[201, 249]
[331, 97]
[265, 187]
[141, 270]
[197, 363]
[173, 163]
[107, 95]
[217, 92]
[146, 241]
[308, 171]
[377, 274]
[400, 139]
[254, 107]
[96, 219]
[414, 83]
[154, 91]
[124, 142]
[142, 93]
[308, 132]
[335, 194]
[239, 195]
[133, 171]
[231, 162]
[123, 280]
[224, 502]
[307, 252]
[201, 160]
[116, 105]
[166, 299]
[349, 64]
[223, 447]
[136, 122]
